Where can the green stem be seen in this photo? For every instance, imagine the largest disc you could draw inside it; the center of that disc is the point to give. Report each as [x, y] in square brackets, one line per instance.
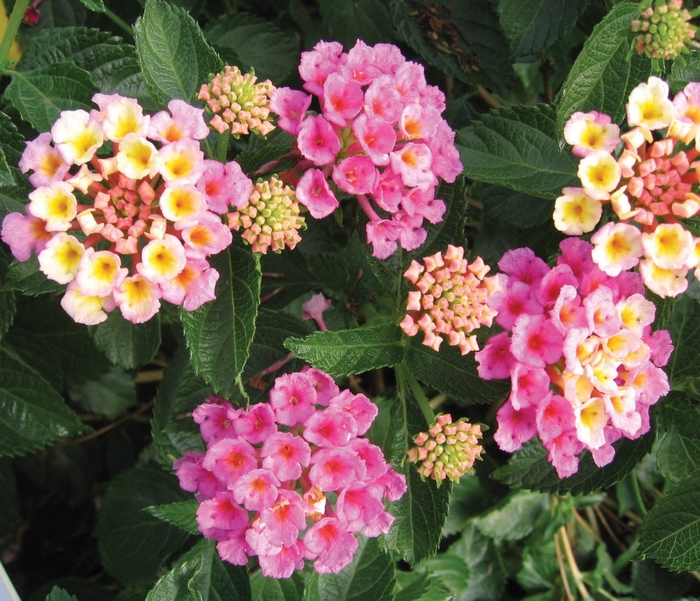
[120, 22]
[222, 146]
[12, 28]
[637, 494]
[403, 371]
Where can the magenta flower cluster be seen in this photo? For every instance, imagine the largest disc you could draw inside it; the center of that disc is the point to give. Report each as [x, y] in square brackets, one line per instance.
[380, 137]
[578, 348]
[291, 479]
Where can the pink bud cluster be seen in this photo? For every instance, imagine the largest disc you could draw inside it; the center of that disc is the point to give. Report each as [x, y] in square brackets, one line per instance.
[447, 450]
[240, 104]
[451, 299]
[134, 224]
[578, 348]
[650, 184]
[270, 219]
[665, 30]
[379, 137]
[291, 479]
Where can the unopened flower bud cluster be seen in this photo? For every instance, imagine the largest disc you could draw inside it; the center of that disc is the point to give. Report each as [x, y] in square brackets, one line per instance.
[292, 479]
[664, 30]
[447, 450]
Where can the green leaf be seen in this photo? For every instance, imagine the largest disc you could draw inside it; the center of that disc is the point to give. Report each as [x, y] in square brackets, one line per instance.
[678, 453]
[6, 176]
[470, 497]
[50, 342]
[272, 328]
[478, 40]
[180, 391]
[12, 143]
[130, 345]
[420, 514]
[132, 543]
[25, 277]
[684, 326]
[14, 198]
[411, 586]
[350, 351]
[515, 147]
[534, 26]
[453, 374]
[685, 69]
[94, 5]
[220, 332]
[182, 515]
[112, 64]
[540, 569]
[370, 572]
[58, 594]
[200, 575]
[8, 310]
[175, 59]
[32, 414]
[515, 517]
[604, 73]
[475, 556]
[276, 589]
[502, 205]
[251, 160]
[41, 94]
[249, 41]
[292, 278]
[651, 582]
[528, 468]
[110, 395]
[670, 533]
[366, 20]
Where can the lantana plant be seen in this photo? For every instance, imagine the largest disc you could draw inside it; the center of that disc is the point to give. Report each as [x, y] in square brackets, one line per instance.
[380, 299]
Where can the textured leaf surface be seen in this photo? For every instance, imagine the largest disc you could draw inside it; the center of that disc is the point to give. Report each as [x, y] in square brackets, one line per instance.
[249, 41]
[132, 543]
[94, 5]
[515, 518]
[6, 176]
[670, 533]
[40, 95]
[420, 514]
[276, 589]
[684, 70]
[25, 277]
[534, 26]
[678, 453]
[502, 205]
[604, 73]
[112, 64]
[109, 395]
[180, 391]
[130, 345]
[684, 326]
[347, 22]
[529, 468]
[351, 351]
[453, 374]
[175, 59]
[220, 332]
[370, 575]
[58, 594]
[411, 586]
[515, 148]
[32, 414]
[480, 33]
[200, 575]
[182, 515]
[12, 145]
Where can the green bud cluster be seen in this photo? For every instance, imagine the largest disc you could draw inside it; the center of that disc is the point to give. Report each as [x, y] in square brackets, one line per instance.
[664, 30]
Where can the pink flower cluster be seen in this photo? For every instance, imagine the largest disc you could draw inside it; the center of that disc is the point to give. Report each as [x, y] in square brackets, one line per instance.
[578, 348]
[451, 299]
[379, 137]
[447, 449]
[134, 224]
[291, 479]
[651, 186]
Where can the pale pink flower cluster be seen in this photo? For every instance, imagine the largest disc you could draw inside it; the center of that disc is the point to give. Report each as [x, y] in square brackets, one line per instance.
[271, 217]
[665, 30]
[291, 479]
[133, 225]
[239, 102]
[649, 184]
[451, 299]
[380, 137]
[583, 362]
[447, 449]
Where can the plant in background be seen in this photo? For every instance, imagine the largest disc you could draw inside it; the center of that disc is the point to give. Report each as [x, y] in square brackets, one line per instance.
[229, 432]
